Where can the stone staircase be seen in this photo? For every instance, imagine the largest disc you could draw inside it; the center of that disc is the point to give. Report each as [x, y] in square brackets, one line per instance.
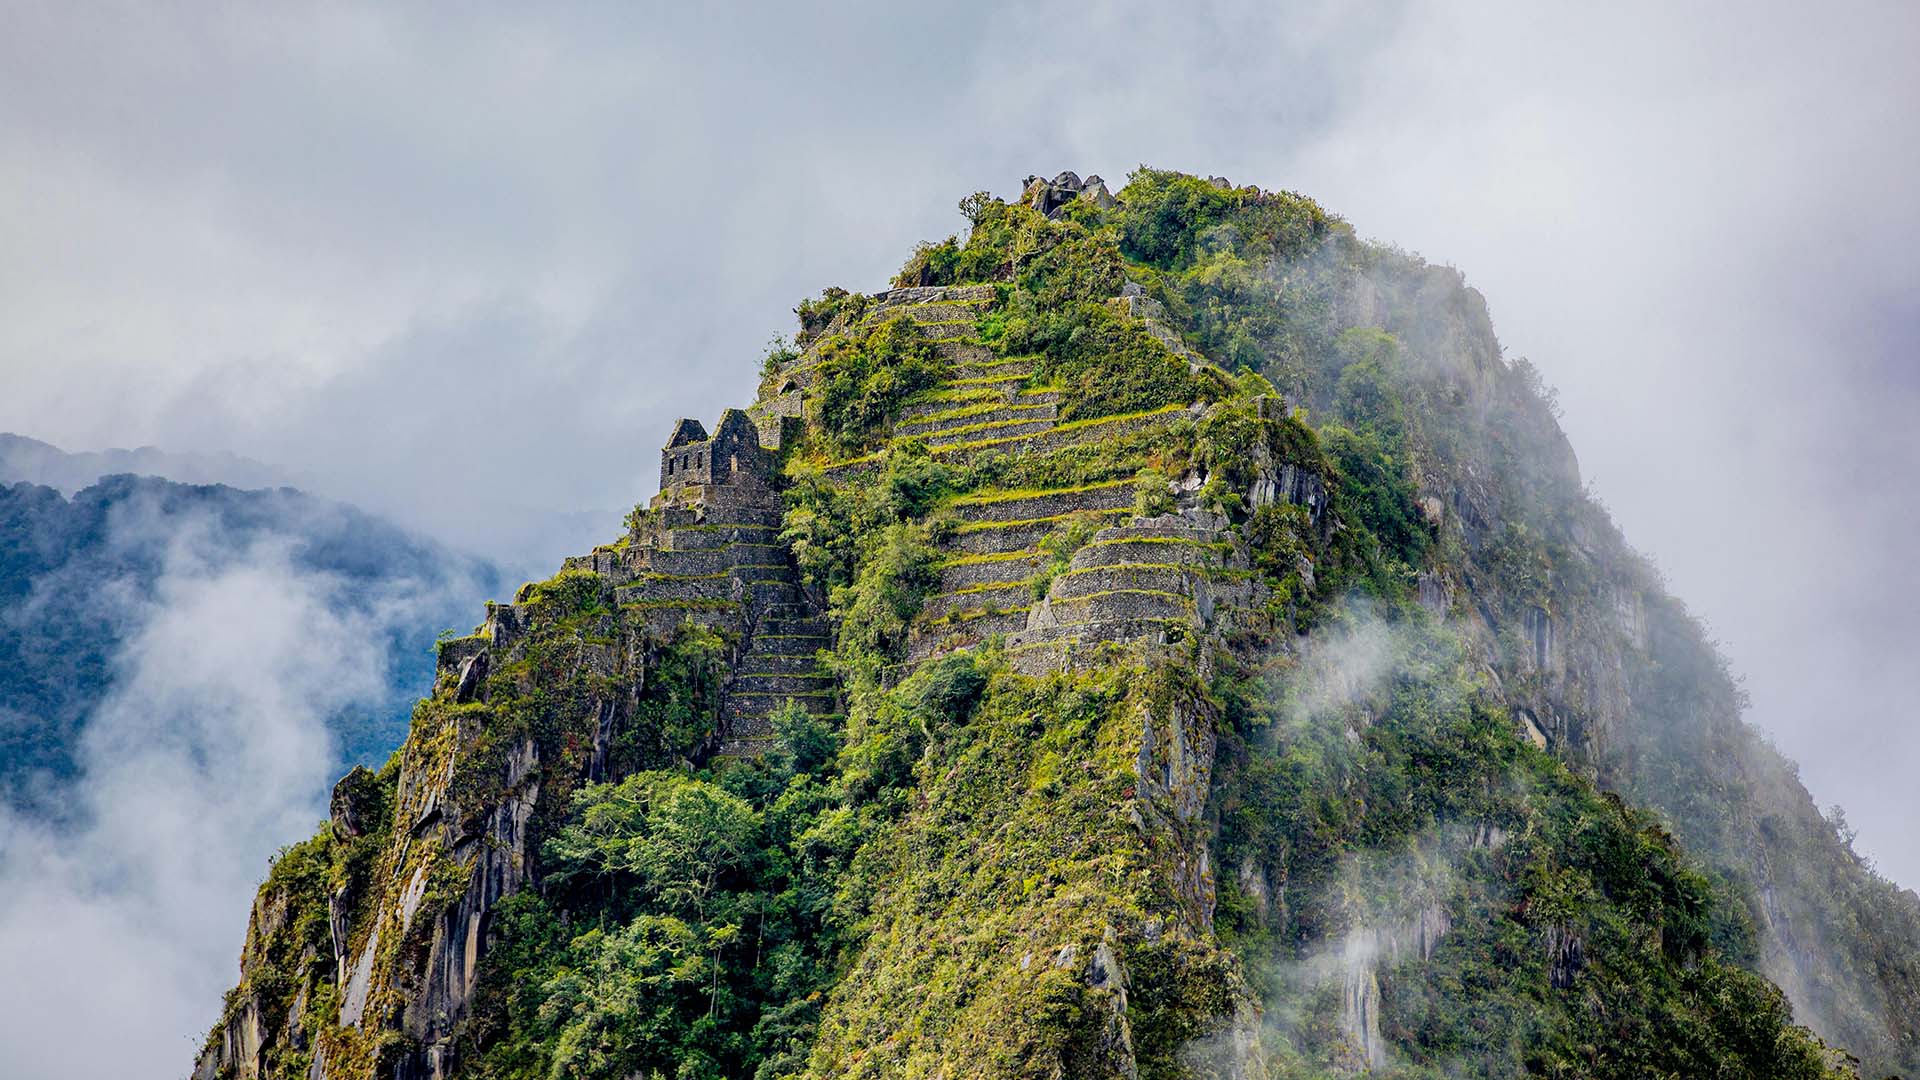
[779, 665]
[710, 552]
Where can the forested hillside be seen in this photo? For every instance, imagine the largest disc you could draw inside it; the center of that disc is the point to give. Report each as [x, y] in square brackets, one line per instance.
[1162, 635]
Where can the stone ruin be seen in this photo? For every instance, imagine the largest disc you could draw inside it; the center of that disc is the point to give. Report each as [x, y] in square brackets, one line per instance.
[1050, 197]
[692, 461]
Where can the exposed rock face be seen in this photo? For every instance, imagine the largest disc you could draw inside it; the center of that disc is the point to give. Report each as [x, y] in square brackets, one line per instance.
[407, 944]
[356, 800]
[1050, 197]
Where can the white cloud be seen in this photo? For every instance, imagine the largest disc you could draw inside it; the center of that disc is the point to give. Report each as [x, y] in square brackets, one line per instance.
[120, 928]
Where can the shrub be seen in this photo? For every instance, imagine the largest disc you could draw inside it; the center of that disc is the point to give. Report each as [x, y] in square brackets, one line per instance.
[865, 379]
[1152, 496]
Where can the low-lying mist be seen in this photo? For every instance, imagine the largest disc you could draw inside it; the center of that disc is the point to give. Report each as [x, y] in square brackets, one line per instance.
[124, 887]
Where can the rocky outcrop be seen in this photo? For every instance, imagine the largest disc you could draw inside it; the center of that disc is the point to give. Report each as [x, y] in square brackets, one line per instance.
[1050, 197]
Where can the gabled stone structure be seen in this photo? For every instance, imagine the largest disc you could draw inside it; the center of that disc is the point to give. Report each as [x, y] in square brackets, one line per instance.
[692, 461]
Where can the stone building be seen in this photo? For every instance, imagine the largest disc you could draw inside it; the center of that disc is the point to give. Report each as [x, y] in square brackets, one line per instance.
[693, 461]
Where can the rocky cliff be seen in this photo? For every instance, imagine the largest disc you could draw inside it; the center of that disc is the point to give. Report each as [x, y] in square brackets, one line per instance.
[1161, 636]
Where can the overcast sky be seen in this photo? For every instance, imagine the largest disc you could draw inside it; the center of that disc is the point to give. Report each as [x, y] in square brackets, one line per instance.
[466, 266]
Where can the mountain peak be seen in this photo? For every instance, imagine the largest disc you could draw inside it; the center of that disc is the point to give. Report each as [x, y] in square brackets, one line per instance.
[1159, 636]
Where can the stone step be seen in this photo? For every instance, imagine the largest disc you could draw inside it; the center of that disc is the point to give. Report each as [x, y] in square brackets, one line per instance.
[934, 403]
[790, 644]
[1036, 653]
[951, 331]
[809, 626]
[1029, 505]
[1124, 577]
[963, 352]
[1095, 431]
[972, 433]
[720, 518]
[1016, 594]
[763, 585]
[766, 593]
[758, 705]
[711, 560]
[707, 538]
[1082, 635]
[1073, 433]
[1166, 527]
[761, 662]
[799, 611]
[1121, 605]
[968, 415]
[753, 736]
[747, 746]
[651, 587]
[961, 633]
[1002, 537]
[931, 312]
[935, 294]
[974, 572]
[757, 683]
[1113, 547]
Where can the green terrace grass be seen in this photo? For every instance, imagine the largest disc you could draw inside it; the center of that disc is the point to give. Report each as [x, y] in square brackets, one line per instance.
[1072, 426]
[1215, 545]
[1186, 601]
[989, 405]
[985, 381]
[988, 498]
[1175, 567]
[680, 605]
[992, 586]
[983, 526]
[961, 310]
[978, 560]
[975, 429]
[971, 614]
[1090, 424]
[1024, 366]
[945, 394]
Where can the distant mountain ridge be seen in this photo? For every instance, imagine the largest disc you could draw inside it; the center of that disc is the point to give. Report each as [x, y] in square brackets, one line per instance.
[36, 462]
[77, 572]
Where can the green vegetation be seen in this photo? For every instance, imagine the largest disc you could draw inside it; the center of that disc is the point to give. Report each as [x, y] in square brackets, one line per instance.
[1312, 838]
[866, 377]
[1579, 940]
